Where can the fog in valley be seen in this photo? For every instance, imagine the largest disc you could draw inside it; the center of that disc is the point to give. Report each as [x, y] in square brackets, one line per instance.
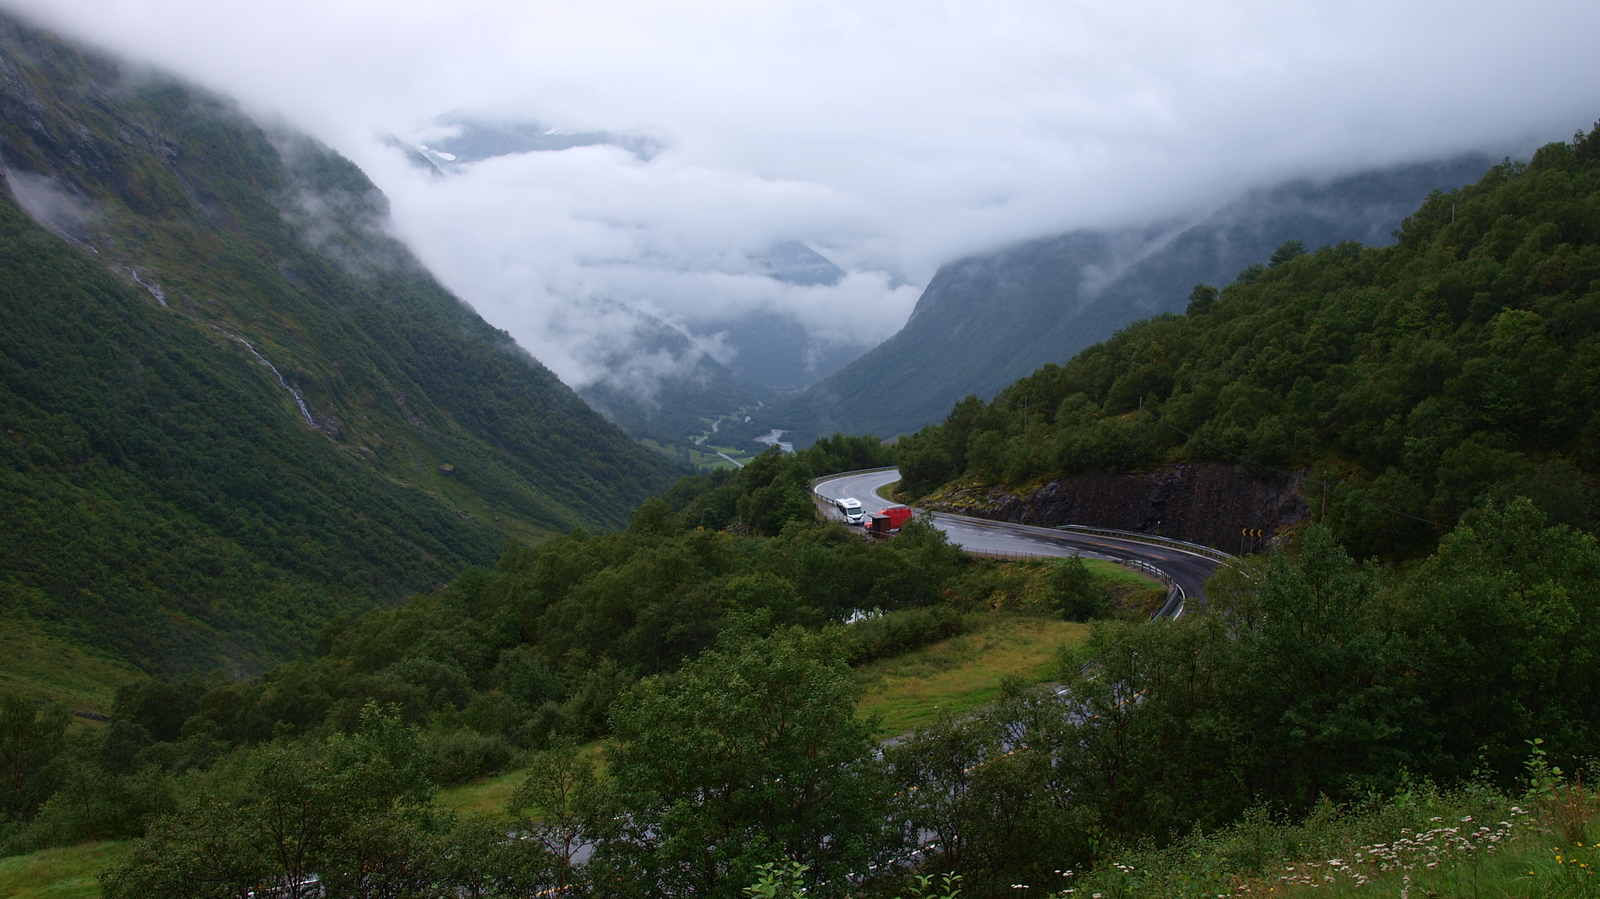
[779, 180]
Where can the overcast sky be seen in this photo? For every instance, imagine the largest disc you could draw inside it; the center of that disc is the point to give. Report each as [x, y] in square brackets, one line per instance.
[891, 135]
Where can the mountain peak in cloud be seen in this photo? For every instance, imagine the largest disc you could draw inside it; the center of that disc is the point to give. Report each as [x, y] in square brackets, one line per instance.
[793, 262]
[465, 138]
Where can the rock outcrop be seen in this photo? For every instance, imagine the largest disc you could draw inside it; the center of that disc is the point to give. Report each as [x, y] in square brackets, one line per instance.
[1208, 504]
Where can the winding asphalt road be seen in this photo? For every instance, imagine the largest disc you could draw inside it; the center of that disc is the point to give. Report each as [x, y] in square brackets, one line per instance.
[981, 536]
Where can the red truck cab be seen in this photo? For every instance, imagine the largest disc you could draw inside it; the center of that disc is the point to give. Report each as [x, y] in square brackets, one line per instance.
[887, 521]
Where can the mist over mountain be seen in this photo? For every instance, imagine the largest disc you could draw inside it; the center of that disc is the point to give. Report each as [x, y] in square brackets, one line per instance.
[769, 348]
[618, 154]
[463, 138]
[664, 388]
[233, 407]
[775, 349]
[986, 320]
[659, 381]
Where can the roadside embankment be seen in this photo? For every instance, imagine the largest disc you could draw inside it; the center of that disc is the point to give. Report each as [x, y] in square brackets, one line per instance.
[1207, 504]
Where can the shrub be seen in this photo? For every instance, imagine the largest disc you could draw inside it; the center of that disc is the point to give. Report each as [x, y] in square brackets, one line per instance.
[458, 756]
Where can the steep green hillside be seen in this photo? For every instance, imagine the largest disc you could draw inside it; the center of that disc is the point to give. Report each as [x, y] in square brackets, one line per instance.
[1455, 369]
[987, 320]
[232, 407]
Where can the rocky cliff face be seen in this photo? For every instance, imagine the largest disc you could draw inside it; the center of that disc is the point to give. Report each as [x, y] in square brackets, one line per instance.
[1208, 504]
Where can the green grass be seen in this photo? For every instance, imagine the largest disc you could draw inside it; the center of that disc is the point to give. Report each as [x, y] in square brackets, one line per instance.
[1129, 589]
[69, 873]
[908, 691]
[710, 460]
[487, 796]
[484, 797]
[1111, 571]
[37, 663]
[959, 674]
[699, 456]
[1471, 842]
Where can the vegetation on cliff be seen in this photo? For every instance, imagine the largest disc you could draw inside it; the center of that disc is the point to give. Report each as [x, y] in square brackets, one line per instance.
[578, 637]
[231, 408]
[1453, 369]
[1315, 686]
[705, 643]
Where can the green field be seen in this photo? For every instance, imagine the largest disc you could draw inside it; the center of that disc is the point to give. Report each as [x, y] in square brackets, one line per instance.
[70, 873]
[487, 796]
[959, 674]
[1129, 588]
[1114, 572]
[1473, 841]
[908, 691]
[38, 663]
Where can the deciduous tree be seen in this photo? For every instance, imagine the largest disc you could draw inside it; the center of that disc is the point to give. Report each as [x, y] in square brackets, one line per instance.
[752, 753]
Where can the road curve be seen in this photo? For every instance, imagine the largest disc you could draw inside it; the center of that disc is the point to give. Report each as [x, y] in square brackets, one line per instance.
[1189, 569]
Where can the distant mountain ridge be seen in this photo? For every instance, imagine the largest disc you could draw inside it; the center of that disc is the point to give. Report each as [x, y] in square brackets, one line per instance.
[233, 407]
[987, 320]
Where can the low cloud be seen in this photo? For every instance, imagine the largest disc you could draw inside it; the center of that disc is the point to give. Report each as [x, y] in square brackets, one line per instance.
[891, 136]
[561, 249]
[52, 205]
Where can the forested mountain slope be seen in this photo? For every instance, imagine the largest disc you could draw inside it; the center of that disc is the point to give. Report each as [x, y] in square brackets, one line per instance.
[232, 406]
[1456, 369]
[987, 320]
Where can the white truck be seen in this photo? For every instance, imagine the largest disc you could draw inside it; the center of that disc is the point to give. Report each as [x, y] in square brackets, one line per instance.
[850, 508]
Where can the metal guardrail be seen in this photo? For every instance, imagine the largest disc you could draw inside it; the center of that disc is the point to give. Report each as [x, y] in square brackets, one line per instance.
[1199, 549]
[1006, 555]
[1176, 598]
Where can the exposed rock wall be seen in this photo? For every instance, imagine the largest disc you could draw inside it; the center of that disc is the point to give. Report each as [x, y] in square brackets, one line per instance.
[1206, 504]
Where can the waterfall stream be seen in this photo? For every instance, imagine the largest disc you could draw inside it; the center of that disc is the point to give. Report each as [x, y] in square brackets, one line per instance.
[299, 400]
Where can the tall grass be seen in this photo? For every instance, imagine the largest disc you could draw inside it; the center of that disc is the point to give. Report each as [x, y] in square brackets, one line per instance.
[960, 674]
[72, 872]
[1425, 843]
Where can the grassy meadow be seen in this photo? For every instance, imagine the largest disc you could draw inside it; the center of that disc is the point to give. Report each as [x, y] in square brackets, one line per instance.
[71, 872]
[1475, 841]
[38, 663]
[964, 672]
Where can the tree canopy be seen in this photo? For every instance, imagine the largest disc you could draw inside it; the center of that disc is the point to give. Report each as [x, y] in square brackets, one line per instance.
[1453, 369]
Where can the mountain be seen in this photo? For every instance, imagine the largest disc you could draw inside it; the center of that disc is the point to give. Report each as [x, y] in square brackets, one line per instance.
[232, 406]
[773, 348]
[987, 320]
[776, 351]
[467, 138]
[666, 390]
[1392, 392]
[770, 350]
